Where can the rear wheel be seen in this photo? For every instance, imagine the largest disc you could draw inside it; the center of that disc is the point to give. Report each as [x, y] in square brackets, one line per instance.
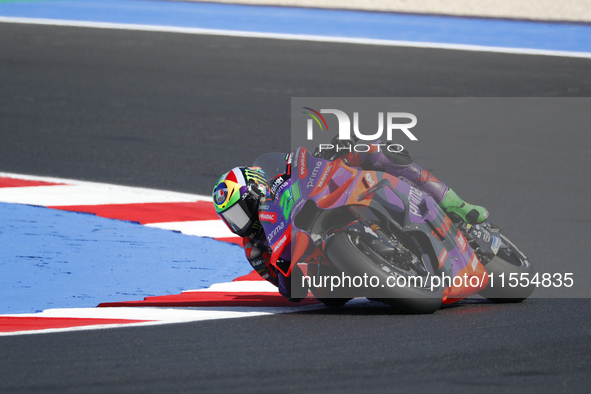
[509, 260]
[355, 256]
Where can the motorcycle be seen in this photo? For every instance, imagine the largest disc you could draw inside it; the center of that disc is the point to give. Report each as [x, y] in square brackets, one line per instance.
[341, 233]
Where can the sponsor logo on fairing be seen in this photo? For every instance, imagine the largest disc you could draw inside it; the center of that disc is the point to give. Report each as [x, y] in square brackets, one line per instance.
[324, 175]
[414, 198]
[445, 227]
[280, 242]
[296, 207]
[313, 176]
[461, 241]
[474, 261]
[303, 164]
[276, 183]
[275, 231]
[279, 194]
[268, 217]
[442, 257]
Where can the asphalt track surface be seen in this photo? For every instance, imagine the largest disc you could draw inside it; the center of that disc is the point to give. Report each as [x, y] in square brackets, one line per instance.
[173, 111]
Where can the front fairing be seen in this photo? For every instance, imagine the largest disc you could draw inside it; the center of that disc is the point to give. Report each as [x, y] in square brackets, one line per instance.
[275, 207]
[276, 224]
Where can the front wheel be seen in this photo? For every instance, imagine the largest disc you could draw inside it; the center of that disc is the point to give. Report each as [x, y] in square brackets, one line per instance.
[509, 260]
[355, 257]
[321, 293]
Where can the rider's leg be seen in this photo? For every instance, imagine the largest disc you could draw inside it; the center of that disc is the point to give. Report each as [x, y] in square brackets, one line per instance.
[402, 166]
[470, 213]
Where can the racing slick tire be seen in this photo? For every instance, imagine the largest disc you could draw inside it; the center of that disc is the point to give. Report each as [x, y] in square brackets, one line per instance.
[354, 257]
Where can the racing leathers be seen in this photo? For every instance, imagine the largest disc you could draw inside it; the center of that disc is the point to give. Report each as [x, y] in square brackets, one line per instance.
[258, 254]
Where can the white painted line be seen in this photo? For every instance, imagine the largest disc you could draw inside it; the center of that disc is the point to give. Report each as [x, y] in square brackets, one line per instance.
[158, 316]
[241, 286]
[301, 37]
[200, 228]
[164, 315]
[76, 192]
[89, 193]
[86, 193]
[81, 195]
[154, 313]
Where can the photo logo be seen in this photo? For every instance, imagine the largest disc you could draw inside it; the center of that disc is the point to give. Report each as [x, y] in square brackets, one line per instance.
[393, 123]
[314, 116]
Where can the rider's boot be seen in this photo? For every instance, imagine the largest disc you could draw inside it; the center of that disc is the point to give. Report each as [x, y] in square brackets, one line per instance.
[402, 166]
[469, 213]
[448, 199]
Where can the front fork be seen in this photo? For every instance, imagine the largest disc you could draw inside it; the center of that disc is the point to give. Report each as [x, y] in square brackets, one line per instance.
[484, 239]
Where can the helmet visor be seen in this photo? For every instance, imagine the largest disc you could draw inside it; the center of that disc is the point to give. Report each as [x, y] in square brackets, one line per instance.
[238, 217]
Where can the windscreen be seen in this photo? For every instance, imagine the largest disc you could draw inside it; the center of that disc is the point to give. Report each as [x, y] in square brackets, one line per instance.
[273, 164]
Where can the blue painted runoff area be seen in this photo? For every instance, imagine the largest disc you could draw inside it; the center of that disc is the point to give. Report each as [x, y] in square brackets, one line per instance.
[331, 23]
[58, 259]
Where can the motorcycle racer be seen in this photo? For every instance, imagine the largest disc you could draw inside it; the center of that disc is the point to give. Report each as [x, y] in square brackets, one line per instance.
[236, 197]
[237, 194]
